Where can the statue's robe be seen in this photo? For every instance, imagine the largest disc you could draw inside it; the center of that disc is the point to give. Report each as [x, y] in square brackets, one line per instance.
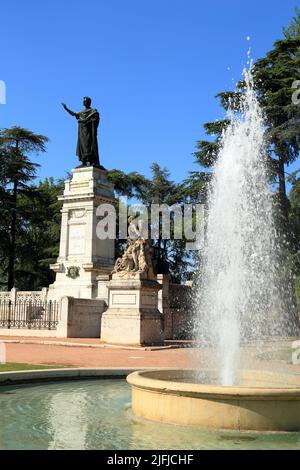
[87, 144]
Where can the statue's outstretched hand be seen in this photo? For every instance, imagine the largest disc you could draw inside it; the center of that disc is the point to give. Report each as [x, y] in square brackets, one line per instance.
[64, 105]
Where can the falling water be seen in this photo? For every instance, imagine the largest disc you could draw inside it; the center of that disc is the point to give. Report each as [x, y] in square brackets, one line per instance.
[238, 296]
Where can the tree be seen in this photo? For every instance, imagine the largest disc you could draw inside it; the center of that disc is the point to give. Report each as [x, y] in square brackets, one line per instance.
[4, 234]
[295, 206]
[161, 190]
[273, 78]
[38, 240]
[37, 236]
[295, 229]
[17, 171]
[130, 185]
[169, 255]
[293, 30]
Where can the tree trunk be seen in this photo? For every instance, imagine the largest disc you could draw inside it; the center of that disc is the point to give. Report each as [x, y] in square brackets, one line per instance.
[284, 203]
[12, 255]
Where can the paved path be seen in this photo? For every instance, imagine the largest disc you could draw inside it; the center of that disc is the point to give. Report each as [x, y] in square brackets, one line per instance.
[31, 351]
[94, 357]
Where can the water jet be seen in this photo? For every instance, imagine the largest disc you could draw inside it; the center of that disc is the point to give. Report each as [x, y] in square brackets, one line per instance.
[238, 295]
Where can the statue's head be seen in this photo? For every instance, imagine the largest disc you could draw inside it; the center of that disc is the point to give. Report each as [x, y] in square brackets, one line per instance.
[87, 101]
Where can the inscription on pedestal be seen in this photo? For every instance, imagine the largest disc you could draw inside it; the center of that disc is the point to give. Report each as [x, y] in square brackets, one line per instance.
[76, 240]
[127, 299]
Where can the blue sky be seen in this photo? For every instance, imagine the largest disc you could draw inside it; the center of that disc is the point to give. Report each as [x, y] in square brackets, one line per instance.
[152, 68]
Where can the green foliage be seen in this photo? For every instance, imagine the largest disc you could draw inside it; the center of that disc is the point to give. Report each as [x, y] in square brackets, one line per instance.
[274, 75]
[297, 287]
[37, 237]
[40, 238]
[293, 30]
[194, 188]
[169, 255]
[12, 366]
[129, 185]
[207, 152]
[294, 221]
[17, 171]
[231, 99]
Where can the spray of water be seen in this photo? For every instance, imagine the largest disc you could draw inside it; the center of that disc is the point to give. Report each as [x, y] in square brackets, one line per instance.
[237, 298]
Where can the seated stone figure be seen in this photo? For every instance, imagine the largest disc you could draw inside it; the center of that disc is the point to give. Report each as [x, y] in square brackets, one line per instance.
[126, 263]
[137, 258]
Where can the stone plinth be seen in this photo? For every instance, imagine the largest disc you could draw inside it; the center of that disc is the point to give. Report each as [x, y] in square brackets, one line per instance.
[132, 317]
[82, 255]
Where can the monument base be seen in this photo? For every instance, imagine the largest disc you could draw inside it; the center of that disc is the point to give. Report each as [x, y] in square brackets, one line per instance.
[132, 317]
[82, 255]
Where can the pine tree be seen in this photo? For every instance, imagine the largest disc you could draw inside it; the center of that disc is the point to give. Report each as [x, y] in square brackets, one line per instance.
[295, 230]
[274, 76]
[170, 256]
[17, 172]
[40, 235]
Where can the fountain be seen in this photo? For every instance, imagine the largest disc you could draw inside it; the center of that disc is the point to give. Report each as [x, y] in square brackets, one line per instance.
[238, 298]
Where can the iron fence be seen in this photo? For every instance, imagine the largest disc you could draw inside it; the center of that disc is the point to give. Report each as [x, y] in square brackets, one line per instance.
[29, 314]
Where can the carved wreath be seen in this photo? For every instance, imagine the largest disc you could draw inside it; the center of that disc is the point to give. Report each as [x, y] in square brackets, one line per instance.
[73, 272]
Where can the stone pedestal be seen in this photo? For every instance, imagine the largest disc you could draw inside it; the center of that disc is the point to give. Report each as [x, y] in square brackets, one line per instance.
[82, 255]
[132, 317]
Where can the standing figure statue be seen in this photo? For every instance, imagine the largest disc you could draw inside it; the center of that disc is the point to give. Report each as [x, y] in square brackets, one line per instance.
[87, 144]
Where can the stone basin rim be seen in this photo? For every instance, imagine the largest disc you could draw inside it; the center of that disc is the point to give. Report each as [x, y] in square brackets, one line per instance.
[141, 380]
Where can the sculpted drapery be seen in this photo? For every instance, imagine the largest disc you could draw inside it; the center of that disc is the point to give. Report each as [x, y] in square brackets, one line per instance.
[87, 142]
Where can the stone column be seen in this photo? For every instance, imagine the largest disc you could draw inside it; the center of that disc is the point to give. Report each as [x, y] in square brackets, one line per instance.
[103, 280]
[82, 256]
[13, 295]
[164, 304]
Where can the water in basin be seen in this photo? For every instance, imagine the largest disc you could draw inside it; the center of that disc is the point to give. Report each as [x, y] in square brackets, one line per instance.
[96, 414]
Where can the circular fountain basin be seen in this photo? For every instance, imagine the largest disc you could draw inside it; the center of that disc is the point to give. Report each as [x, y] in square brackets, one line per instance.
[264, 401]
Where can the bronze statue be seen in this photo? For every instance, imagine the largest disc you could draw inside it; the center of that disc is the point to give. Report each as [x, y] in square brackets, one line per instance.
[87, 144]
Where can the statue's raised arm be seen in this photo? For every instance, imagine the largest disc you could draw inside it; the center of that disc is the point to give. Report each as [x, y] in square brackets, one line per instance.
[87, 143]
[69, 110]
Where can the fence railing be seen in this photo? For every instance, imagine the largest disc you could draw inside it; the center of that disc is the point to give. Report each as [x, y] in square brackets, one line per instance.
[29, 314]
